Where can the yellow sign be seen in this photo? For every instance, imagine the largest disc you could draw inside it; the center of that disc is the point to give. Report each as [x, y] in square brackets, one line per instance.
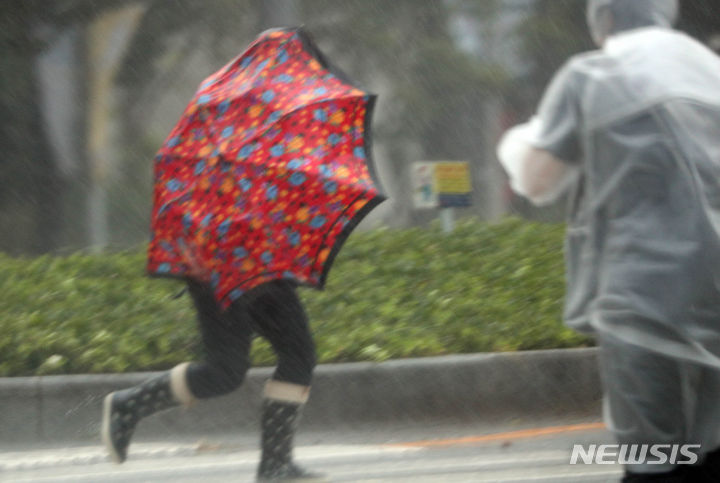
[452, 177]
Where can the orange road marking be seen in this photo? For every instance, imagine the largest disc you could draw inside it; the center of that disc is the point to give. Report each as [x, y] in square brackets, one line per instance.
[510, 435]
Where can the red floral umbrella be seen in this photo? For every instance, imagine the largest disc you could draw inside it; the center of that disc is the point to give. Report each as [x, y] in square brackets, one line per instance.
[266, 173]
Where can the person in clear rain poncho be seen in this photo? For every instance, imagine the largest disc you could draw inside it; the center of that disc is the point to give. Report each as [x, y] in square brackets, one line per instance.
[632, 131]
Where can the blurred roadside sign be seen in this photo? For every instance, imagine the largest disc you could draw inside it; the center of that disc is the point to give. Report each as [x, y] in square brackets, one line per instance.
[441, 184]
[453, 184]
[424, 185]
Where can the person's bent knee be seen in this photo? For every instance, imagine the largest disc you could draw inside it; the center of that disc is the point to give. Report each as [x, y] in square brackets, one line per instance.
[296, 368]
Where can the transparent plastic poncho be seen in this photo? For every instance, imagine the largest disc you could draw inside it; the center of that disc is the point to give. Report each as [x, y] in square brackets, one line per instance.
[640, 119]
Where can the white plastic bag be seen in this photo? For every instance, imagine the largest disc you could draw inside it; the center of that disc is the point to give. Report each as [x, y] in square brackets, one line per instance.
[515, 150]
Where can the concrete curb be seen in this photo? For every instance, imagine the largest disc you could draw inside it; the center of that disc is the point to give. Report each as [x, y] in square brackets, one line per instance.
[56, 409]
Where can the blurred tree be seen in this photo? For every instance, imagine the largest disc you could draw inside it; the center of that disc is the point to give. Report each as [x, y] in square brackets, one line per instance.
[177, 44]
[48, 208]
[32, 186]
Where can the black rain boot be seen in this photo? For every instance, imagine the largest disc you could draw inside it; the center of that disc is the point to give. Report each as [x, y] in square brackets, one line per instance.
[681, 474]
[123, 409]
[280, 415]
[708, 471]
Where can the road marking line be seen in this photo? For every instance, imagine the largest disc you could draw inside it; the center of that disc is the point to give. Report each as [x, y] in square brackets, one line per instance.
[548, 466]
[550, 478]
[87, 456]
[510, 435]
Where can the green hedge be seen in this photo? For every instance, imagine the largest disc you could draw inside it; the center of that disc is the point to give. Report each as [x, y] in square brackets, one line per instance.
[390, 294]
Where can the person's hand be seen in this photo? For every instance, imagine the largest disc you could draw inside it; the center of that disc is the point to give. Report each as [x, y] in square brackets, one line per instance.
[196, 268]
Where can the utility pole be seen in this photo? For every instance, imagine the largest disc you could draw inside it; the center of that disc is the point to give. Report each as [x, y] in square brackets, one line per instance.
[107, 39]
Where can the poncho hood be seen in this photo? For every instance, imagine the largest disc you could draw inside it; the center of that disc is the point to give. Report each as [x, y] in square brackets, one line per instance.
[609, 17]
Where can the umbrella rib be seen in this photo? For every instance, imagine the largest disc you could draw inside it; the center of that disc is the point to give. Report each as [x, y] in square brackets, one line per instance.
[345, 232]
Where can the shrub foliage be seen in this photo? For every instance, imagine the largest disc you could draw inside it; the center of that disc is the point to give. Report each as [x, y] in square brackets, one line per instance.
[390, 294]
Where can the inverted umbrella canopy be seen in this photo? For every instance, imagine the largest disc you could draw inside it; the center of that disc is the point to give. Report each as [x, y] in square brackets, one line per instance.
[267, 171]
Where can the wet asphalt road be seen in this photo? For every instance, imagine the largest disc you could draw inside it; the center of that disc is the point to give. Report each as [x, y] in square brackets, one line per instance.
[504, 452]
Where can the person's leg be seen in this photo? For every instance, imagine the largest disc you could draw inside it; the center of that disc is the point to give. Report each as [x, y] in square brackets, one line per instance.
[279, 316]
[226, 337]
[705, 424]
[646, 403]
